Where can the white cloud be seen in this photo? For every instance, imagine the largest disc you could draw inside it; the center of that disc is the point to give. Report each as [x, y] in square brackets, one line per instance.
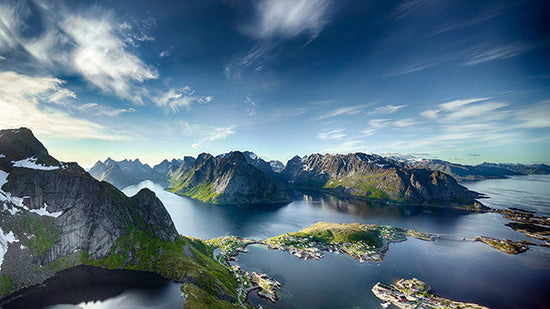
[251, 106]
[102, 110]
[482, 53]
[348, 110]
[174, 99]
[536, 116]
[333, 134]
[471, 108]
[23, 102]
[101, 55]
[376, 125]
[348, 146]
[289, 18]
[387, 109]
[408, 7]
[91, 44]
[206, 133]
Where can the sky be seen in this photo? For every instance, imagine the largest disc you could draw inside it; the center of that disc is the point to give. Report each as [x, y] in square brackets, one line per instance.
[463, 81]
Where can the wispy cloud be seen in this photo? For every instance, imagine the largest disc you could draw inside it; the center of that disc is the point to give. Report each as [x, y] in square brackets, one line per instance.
[348, 146]
[332, 134]
[26, 101]
[289, 18]
[375, 125]
[406, 8]
[174, 99]
[470, 108]
[250, 106]
[483, 53]
[92, 44]
[536, 116]
[387, 109]
[102, 110]
[208, 134]
[348, 110]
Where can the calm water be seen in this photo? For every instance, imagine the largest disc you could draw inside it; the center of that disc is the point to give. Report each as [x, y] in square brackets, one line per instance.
[462, 270]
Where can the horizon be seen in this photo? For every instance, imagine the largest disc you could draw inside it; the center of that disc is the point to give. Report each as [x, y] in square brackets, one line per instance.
[455, 81]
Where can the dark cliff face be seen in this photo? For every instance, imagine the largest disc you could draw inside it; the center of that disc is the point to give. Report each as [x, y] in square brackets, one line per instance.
[58, 210]
[228, 179]
[372, 176]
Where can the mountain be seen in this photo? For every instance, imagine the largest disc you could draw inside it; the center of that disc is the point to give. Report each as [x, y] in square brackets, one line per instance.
[481, 171]
[122, 173]
[54, 215]
[228, 179]
[130, 172]
[276, 166]
[374, 177]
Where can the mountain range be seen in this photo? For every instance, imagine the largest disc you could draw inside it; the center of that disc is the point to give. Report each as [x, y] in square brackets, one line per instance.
[54, 215]
[481, 171]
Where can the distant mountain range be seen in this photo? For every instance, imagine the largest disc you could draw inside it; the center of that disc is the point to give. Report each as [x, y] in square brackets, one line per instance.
[244, 177]
[480, 171]
[54, 215]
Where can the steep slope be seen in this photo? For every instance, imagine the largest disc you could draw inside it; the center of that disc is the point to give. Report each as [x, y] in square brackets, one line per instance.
[372, 176]
[228, 179]
[54, 216]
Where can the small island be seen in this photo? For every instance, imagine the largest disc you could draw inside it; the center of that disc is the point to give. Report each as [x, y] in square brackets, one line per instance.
[413, 293]
[504, 245]
[363, 242]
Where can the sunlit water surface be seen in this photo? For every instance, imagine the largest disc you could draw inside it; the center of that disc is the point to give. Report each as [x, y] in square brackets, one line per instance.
[461, 270]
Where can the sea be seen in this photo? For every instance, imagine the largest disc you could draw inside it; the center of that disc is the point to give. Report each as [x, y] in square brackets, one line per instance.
[455, 266]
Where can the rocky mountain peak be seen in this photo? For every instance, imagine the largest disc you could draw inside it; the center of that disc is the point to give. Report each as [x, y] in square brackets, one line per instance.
[21, 144]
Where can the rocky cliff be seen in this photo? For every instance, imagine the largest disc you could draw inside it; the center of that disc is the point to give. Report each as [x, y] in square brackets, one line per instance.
[54, 215]
[372, 176]
[228, 179]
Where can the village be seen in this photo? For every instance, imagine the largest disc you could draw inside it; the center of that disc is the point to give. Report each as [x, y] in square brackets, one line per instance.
[372, 249]
[413, 293]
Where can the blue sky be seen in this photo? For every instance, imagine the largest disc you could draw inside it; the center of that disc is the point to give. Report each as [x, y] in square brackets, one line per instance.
[465, 81]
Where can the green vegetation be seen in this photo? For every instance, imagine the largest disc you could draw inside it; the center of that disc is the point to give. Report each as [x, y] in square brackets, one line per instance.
[202, 192]
[183, 260]
[7, 284]
[228, 244]
[42, 233]
[360, 241]
[340, 233]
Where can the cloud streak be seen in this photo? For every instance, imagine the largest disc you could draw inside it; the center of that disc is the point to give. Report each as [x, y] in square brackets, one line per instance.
[24, 102]
[289, 18]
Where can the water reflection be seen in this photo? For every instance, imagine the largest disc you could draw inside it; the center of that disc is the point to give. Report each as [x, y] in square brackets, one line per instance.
[92, 287]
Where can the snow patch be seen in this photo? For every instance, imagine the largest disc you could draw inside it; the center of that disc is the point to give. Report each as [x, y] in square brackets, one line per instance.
[2, 155]
[31, 163]
[252, 156]
[5, 239]
[43, 212]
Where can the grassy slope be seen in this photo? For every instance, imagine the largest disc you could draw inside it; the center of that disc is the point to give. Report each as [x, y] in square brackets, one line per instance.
[340, 233]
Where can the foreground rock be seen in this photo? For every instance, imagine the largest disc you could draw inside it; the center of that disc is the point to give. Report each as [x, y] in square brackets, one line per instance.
[374, 177]
[228, 179]
[413, 293]
[54, 216]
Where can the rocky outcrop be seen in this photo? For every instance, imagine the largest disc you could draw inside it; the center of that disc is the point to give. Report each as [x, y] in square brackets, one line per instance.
[54, 215]
[228, 179]
[372, 176]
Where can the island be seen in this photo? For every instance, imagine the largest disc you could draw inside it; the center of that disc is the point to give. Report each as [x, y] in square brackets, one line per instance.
[413, 293]
[505, 245]
[363, 242]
